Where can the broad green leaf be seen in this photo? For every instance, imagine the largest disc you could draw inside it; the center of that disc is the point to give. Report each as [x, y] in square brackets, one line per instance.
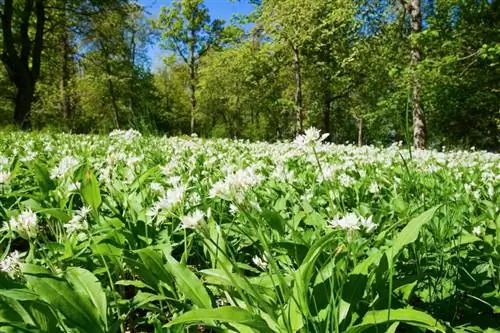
[90, 190]
[42, 177]
[188, 283]
[226, 314]
[87, 285]
[154, 264]
[410, 232]
[407, 316]
[78, 311]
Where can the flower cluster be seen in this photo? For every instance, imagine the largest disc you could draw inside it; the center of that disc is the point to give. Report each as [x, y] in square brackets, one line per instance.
[25, 224]
[236, 183]
[128, 135]
[353, 221]
[65, 165]
[195, 220]
[310, 138]
[11, 264]
[78, 222]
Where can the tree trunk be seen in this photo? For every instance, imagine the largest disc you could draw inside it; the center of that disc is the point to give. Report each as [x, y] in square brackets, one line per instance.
[419, 128]
[65, 77]
[359, 125]
[298, 91]
[22, 110]
[21, 56]
[192, 75]
[193, 93]
[326, 112]
[111, 88]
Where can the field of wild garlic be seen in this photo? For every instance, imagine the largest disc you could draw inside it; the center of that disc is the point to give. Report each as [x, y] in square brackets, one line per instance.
[126, 233]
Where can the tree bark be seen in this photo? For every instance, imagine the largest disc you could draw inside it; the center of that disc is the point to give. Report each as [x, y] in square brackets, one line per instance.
[192, 85]
[419, 127]
[359, 125]
[23, 67]
[111, 88]
[326, 112]
[66, 106]
[298, 91]
[192, 75]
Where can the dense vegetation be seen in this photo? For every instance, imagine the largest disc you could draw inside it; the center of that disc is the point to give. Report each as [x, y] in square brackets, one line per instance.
[363, 70]
[135, 234]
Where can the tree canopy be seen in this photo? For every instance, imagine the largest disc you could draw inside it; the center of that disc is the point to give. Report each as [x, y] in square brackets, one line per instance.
[367, 71]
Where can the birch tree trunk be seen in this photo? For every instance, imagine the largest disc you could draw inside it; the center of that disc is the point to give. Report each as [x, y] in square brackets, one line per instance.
[419, 128]
[298, 91]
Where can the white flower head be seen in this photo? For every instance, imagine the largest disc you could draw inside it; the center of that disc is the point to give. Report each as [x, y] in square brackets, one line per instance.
[349, 222]
[78, 222]
[193, 221]
[65, 165]
[476, 230]
[310, 138]
[260, 262]
[4, 177]
[172, 197]
[368, 224]
[374, 188]
[157, 187]
[11, 264]
[25, 224]
[353, 221]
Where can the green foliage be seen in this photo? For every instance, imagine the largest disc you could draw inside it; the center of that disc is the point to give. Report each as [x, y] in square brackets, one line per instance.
[150, 233]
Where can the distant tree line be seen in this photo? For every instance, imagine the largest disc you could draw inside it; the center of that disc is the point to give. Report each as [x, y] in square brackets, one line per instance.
[425, 72]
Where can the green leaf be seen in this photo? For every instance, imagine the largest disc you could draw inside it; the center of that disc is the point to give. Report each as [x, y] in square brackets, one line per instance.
[154, 264]
[274, 219]
[407, 316]
[56, 291]
[42, 177]
[87, 285]
[410, 232]
[188, 283]
[226, 314]
[90, 190]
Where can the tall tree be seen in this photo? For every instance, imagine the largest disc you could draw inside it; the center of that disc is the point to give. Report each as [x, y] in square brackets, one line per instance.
[188, 32]
[413, 7]
[21, 53]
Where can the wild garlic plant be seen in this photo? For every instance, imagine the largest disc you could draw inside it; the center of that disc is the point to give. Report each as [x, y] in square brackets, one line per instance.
[129, 233]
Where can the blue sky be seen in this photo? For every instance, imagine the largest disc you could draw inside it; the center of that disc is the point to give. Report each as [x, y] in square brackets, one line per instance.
[221, 9]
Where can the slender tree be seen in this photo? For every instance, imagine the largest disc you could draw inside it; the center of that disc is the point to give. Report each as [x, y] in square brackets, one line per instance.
[188, 32]
[413, 7]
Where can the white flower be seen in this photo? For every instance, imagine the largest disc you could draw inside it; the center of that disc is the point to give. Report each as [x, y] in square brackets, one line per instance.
[236, 183]
[260, 262]
[193, 221]
[346, 180]
[156, 187]
[233, 209]
[4, 176]
[368, 224]
[373, 188]
[476, 230]
[353, 221]
[65, 165]
[78, 222]
[73, 187]
[172, 197]
[128, 135]
[311, 138]
[350, 221]
[25, 224]
[11, 264]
